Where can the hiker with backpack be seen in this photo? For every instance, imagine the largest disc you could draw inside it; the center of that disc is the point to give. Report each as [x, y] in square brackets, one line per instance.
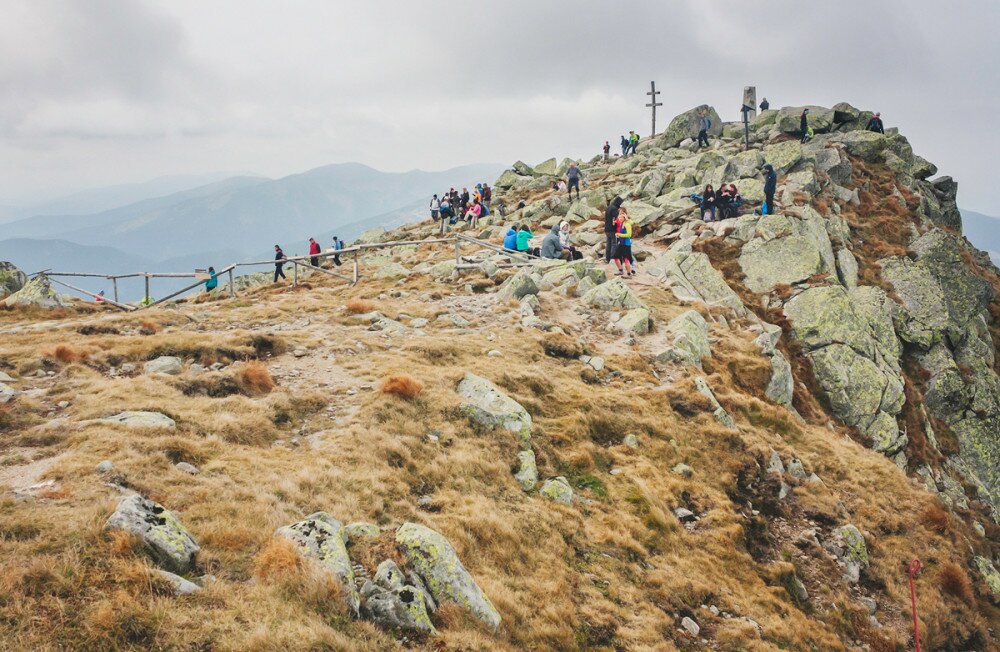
[338, 244]
[704, 124]
[279, 263]
[633, 141]
[314, 252]
[875, 124]
[770, 185]
[623, 244]
[624, 147]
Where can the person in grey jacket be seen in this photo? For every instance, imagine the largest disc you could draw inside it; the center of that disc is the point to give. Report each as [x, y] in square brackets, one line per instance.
[551, 245]
[704, 124]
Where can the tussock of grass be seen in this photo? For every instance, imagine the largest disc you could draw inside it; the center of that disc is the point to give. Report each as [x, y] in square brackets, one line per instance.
[254, 379]
[402, 385]
[359, 306]
[955, 581]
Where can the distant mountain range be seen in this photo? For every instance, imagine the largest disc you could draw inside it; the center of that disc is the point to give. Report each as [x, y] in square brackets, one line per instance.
[984, 232]
[225, 220]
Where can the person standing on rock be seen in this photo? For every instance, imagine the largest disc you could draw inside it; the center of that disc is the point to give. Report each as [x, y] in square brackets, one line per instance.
[633, 139]
[875, 124]
[279, 263]
[770, 185]
[764, 105]
[610, 218]
[464, 201]
[573, 175]
[623, 246]
[487, 196]
[314, 252]
[804, 124]
[607, 151]
[213, 280]
[435, 207]
[624, 147]
[704, 124]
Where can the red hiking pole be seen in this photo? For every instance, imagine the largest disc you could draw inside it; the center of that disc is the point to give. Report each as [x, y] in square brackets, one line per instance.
[915, 566]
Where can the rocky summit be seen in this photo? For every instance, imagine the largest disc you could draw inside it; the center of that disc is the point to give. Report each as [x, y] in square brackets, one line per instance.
[742, 447]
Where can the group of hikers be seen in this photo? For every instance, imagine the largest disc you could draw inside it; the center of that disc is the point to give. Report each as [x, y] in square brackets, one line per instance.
[315, 250]
[470, 207]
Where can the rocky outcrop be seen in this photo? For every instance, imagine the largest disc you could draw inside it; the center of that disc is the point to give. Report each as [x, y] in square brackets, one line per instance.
[613, 295]
[36, 292]
[486, 404]
[321, 537]
[11, 278]
[690, 340]
[434, 559]
[691, 277]
[162, 535]
[686, 126]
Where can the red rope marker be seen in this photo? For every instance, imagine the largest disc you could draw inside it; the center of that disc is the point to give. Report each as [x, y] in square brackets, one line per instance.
[915, 566]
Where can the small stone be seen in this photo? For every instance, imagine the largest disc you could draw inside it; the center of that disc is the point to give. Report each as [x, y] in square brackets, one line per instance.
[870, 604]
[425, 501]
[683, 470]
[596, 363]
[714, 610]
[692, 627]
[63, 405]
[558, 489]
[978, 527]
[300, 353]
[105, 466]
[495, 354]
[190, 469]
[631, 441]
[178, 584]
[684, 515]
[796, 470]
[355, 532]
[165, 364]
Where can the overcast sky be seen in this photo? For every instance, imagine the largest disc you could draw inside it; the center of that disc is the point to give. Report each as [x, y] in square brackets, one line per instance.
[96, 92]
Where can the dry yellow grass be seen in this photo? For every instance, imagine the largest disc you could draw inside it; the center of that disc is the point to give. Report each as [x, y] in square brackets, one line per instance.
[616, 573]
[254, 379]
[402, 385]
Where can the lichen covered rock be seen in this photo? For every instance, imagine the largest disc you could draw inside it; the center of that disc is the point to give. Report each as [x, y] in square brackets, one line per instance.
[434, 559]
[486, 404]
[321, 537]
[163, 536]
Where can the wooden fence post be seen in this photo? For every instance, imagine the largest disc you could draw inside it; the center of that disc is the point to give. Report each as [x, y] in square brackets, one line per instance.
[114, 282]
[232, 288]
[147, 289]
[295, 274]
[356, 270]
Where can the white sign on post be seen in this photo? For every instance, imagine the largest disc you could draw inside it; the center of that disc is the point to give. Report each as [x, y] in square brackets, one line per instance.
[750, 100]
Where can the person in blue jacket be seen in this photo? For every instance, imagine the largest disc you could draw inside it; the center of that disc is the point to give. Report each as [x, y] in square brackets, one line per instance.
[524, 236]
[510, 238]
[213, 281]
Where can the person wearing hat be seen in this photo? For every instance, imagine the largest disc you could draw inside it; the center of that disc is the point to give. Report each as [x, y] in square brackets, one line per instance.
[875, 124]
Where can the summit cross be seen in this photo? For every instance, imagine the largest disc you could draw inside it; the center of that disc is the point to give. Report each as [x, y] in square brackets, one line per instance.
[653, 103]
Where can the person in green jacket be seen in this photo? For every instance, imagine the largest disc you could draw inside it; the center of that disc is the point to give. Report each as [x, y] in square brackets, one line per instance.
[213, 281]
[523, 236]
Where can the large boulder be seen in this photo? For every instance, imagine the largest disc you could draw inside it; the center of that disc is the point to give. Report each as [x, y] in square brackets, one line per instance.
[137, 419]
[321, 537]
[392, 604]
[691, 277]
[613, 295]
[548, 168]
[767, 263]
[518, 286]
[161, 533]
[11, 278]
[642, 213]
[36, 292]
[391, 271]
[486, 404]
[434, 559]
[689, 331]
[866, 145]
[634, 322]
[820, 119]
[686, 124]
[783, 156]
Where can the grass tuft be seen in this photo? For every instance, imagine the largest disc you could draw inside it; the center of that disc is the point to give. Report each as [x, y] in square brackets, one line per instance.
[402, 385]
[254, 379]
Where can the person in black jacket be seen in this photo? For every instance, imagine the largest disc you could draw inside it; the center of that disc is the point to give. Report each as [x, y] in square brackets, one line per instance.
[708, 203]
[770, 184]
[610, 215]
[279, 263]
[804, 124]
[875, 124]
[765, 105]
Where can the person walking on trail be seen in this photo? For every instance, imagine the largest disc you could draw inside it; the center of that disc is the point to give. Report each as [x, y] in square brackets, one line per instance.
[708, 202]
[607, 151]
[279, 263]
[552, 244]
[573, 175]
[213, 280]
[633, 140]
[338, 244]
[804, 125]
[623, 246]
[764, 105]
[435, 207]
[770, 185]
[524, 236]
[314, 251]
[704, 124]
[875, 124]
[625, 145]
[610, 226]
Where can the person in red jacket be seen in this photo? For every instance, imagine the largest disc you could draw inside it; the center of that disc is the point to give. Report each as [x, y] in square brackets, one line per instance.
[314, 252]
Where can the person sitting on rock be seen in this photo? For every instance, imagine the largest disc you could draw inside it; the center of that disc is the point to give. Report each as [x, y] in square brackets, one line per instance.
[510, 238]
[569, 252]
[875, 124]
[764, 105]
[708, 202]
[472, 215]
[623, 246]
[524, 237]
[723, 202]
[552, 244]
[736, 199]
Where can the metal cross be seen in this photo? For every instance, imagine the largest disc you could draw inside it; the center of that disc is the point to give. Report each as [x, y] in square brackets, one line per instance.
[653, 103]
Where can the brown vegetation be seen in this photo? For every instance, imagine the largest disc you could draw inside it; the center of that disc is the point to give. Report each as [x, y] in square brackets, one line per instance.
[254, 379]
[955, 581]
[402, 385]
[359, 306]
